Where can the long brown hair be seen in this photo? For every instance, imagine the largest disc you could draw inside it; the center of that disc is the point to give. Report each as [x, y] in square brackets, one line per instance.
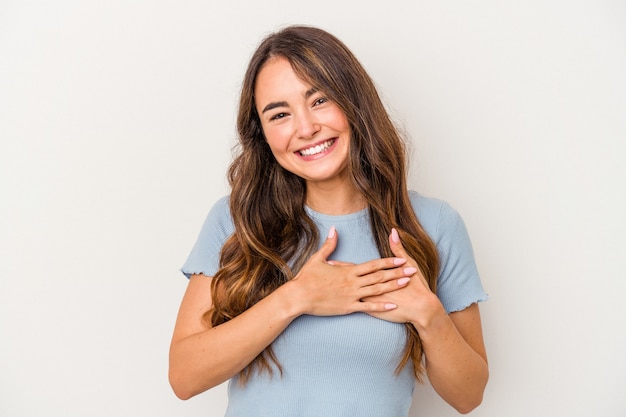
[274, 236]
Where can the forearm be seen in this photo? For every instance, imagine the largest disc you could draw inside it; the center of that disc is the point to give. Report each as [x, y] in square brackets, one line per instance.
[455, 369]
[205, 359]
[201, 358]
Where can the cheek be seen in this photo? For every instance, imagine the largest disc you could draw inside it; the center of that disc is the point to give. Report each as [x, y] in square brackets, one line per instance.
[276, 152]
[340, 119]
[276, 138]
[276, 146]
[273, 144]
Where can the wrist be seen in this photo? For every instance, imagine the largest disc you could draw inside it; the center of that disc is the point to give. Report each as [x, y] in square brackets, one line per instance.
[431, 320]
[290, 298]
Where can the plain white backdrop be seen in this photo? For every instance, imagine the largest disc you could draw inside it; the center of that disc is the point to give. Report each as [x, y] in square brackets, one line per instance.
[116, 128]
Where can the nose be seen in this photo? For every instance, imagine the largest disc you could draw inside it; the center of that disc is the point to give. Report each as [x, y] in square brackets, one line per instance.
[306, 125]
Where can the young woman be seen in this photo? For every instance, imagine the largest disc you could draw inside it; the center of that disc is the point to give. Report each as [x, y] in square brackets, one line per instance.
[321, 286]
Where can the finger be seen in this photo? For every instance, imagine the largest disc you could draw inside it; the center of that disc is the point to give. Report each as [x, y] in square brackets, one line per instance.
[398, 249]
[338, 263]
[374, 307]
[381, 288]
[396, 245]
[388, 275]
[376, 265]
[329, 245]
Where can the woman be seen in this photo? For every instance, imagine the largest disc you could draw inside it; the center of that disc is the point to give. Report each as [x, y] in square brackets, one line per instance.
[321, 286]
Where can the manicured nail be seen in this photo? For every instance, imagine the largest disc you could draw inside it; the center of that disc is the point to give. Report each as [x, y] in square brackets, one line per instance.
[403, 281]
[394, 236]
[390, 306]
[409, 270]
[399, 261]
[331, 232]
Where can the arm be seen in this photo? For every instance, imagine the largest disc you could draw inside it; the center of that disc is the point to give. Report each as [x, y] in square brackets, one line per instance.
[202, 357]
[456, 361]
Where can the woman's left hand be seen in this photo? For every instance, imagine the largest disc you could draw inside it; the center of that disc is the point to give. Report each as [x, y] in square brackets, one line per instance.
[416, 303]
[453, 345]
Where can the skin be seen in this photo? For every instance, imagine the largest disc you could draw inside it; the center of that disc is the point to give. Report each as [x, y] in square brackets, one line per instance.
[295, 118]
[456, 359]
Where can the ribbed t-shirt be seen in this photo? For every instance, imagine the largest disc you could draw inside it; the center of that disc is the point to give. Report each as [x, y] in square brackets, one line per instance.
[344, 365]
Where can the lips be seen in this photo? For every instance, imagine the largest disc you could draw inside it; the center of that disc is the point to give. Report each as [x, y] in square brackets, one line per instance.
[317, 149]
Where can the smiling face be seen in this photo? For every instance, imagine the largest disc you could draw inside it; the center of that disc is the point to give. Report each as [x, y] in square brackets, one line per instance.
[308, 134]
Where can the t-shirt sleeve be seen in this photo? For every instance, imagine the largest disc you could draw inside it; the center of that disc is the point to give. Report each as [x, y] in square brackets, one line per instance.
[458, 284]
[205, 254]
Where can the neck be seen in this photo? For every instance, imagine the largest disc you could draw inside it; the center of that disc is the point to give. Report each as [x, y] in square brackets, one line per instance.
[334, 200]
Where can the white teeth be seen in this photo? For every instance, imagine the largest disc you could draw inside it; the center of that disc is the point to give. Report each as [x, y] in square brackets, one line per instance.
[317, 149]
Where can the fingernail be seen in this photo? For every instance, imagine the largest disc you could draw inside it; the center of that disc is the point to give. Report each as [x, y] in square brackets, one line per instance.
[403, 281]
[394, 236]
[390, 306]
[331, 232]
[399, 261]
[409, 270]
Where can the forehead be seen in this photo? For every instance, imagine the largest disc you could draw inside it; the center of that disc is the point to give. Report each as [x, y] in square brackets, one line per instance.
[277, 78]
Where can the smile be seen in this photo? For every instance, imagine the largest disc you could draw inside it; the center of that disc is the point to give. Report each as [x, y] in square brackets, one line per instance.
[314, 150]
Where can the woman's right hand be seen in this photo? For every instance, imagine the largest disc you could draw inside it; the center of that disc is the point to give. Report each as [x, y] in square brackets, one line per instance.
[202, 357]
[325, 288]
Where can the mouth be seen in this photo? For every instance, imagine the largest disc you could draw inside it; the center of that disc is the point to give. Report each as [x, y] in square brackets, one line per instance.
[317, 149]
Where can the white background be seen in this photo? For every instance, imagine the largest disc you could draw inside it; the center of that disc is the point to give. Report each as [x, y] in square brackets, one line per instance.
[116, 128]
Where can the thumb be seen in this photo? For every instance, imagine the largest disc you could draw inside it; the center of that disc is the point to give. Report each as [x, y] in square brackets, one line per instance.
[329, 245]
[396, 245]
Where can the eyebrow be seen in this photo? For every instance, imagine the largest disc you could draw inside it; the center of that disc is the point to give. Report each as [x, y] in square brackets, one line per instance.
[276, 104]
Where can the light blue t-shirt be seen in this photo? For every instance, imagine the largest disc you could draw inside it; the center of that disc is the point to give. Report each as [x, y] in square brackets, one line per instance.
[344, 365]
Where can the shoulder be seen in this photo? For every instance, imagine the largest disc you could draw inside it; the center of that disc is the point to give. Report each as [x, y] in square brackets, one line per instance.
[458, 284]
[218, 225]
[436, 216]
[219, 215]
[222, 205]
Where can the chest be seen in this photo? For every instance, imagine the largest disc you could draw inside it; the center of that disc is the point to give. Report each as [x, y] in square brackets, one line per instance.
[337, 343]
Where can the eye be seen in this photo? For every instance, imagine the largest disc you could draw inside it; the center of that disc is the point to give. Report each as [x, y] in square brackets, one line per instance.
[319, 101]
[278, 116]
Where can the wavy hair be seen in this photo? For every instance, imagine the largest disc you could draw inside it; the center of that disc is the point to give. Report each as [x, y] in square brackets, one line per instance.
[273, 235]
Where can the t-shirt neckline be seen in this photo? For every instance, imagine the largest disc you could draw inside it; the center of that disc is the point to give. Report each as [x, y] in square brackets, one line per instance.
[335, 218]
